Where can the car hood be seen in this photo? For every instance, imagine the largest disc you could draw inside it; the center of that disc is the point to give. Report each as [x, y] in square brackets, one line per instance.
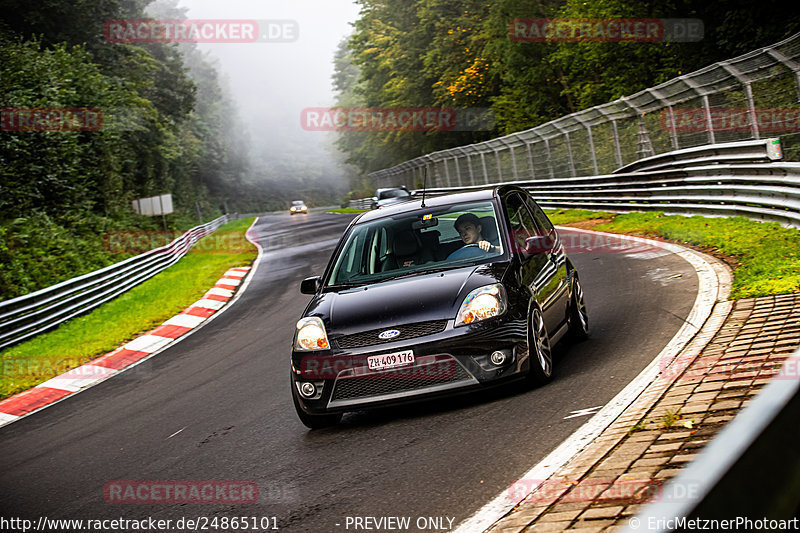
[432, 296]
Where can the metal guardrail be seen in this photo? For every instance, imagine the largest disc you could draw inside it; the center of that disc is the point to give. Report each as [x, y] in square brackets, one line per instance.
[751, 470]
[728, 179]
[730, 101]
[733, 152]
[361, 203]
[716, 187]
[26, 316]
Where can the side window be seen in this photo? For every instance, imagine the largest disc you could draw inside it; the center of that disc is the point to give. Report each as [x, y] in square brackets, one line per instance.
[522, 224]
[538, 215]
[350, 262]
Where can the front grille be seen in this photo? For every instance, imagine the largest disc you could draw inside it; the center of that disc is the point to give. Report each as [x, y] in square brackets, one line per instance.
[397, 380]
[409, 331]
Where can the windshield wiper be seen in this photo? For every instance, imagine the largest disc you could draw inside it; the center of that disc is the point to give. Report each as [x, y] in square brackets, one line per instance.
[346, 285]
[418, 272]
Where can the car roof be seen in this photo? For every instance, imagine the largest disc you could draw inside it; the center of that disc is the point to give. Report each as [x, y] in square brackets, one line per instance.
[430, 201]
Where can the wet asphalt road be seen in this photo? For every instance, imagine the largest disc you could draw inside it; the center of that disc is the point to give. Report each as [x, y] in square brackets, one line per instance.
[226, 389]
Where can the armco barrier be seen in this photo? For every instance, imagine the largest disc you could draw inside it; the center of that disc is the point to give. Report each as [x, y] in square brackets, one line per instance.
[722, 184]
[742, 178]
[26, 316]
[361, 203]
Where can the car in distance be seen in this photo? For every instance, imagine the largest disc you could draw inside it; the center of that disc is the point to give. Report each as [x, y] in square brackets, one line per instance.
[298, 206]
[390, 196]
[407, 311]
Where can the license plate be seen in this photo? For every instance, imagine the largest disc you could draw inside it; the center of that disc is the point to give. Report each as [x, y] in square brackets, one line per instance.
[390, 360]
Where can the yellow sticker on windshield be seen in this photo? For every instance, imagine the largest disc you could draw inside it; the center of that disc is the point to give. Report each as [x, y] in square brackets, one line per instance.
[427, 217]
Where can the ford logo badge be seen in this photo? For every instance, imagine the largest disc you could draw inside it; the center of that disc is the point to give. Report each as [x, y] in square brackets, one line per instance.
[388, 334]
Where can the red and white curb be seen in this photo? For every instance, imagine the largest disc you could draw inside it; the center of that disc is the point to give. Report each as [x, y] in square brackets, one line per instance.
[132, 353]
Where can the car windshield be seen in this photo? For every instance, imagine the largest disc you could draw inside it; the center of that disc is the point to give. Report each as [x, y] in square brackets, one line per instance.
[297, 202]
[421, 241]
[393, 193]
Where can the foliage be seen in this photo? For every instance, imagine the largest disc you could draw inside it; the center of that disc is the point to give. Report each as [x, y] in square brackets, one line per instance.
[641, 425]
[167, 127]
[446, 53]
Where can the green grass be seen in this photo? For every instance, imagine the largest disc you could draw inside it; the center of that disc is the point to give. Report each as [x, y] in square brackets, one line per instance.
[346, 210]
[566, 216]
[134, 312]
[768, 254]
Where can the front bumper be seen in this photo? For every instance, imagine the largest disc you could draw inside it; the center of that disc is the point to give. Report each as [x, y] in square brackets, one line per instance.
[452, 361]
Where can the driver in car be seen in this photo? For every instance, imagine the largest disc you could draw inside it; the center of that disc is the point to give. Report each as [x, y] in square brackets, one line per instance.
[468, 227]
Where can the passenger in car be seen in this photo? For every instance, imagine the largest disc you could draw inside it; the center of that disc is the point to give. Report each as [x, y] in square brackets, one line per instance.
[469, 227]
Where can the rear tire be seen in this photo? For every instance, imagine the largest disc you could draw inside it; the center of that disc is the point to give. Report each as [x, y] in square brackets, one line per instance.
[578, 317]
[540, 354]
[314, 421]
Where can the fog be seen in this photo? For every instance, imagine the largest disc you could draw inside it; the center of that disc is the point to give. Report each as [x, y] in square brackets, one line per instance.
[272, 82]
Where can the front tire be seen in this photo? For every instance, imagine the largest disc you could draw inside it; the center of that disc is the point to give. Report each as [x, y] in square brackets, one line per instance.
[315, 421]
[541, 356]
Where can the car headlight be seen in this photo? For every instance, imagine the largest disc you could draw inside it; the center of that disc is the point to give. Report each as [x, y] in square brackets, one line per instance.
[482, 303]
[310, 335]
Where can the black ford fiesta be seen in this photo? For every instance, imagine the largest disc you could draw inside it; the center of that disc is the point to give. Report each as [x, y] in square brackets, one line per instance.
[431, 298]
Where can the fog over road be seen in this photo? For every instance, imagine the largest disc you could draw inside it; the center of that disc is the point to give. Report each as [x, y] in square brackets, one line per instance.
[225, 390]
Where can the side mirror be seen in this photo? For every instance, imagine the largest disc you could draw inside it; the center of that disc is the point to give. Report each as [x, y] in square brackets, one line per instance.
[311, 285]
[539, 244]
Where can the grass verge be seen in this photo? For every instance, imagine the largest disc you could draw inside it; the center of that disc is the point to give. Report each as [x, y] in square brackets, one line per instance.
[766, 255]
[134, 312]
[568, 216]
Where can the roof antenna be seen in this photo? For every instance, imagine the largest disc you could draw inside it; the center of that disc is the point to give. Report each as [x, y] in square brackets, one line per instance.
[424, 183]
